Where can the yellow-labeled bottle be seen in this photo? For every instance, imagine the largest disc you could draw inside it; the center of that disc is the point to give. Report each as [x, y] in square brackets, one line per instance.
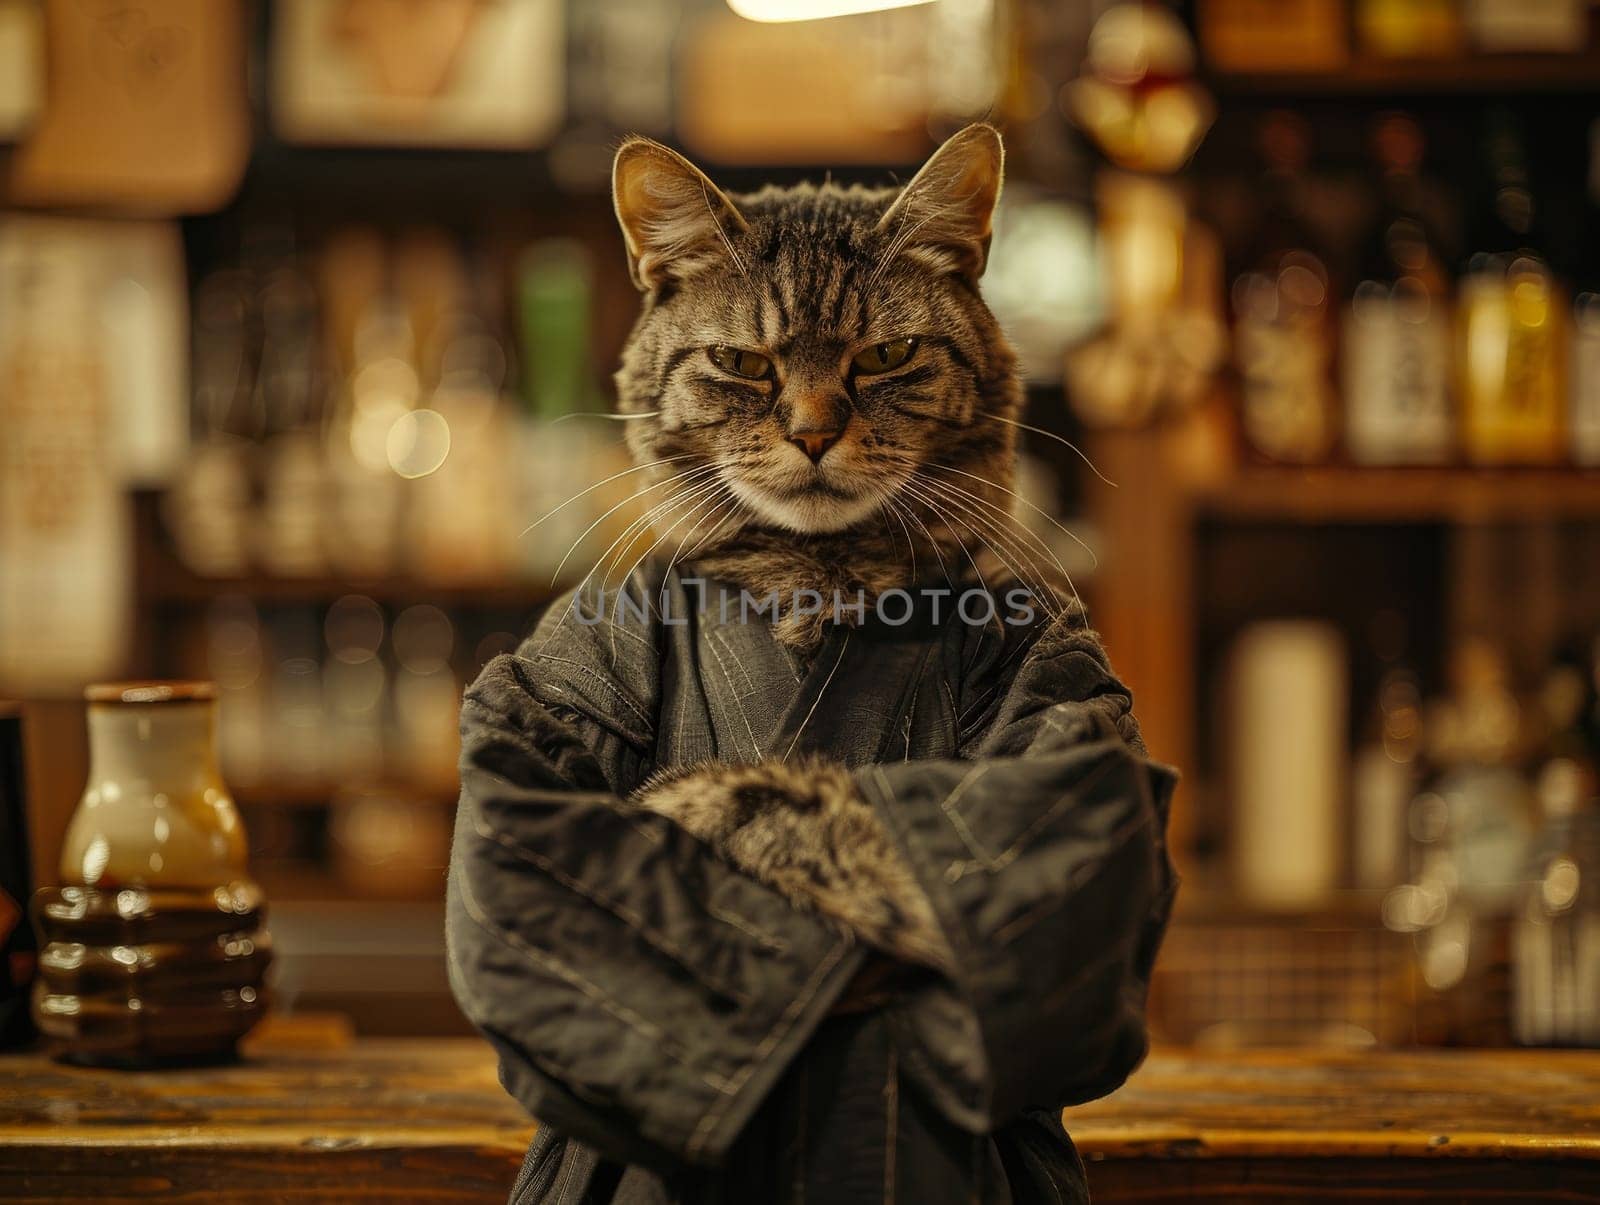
[1513, 334]
[1513, 326]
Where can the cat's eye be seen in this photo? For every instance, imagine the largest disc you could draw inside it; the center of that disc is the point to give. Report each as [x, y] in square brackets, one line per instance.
[741, 363]
[882, 357]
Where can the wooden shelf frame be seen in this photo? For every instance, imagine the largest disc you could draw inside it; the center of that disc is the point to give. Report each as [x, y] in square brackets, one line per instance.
[164, 582]
[1470, 74]
[1146, 606]
[1402, 495]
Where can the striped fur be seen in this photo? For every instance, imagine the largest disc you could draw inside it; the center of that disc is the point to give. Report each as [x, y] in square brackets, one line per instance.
[809, 276]
[802, 828]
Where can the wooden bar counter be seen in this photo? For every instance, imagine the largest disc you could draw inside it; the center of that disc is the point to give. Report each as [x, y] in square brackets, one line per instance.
[312, 1116]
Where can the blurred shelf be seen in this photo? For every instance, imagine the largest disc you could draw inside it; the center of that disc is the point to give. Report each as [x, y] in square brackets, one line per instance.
[163, 580]
[1481, 74]
[319, 794]
[379, 962]
[169, 584]
[308, 883]
[1411, 495]
[406, 181]
[1199, 906]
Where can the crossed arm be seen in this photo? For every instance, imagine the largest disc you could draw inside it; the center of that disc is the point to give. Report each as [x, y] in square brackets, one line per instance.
[645, 993]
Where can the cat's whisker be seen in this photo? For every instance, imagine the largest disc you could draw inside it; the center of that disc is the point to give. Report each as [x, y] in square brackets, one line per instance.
[950, 521]
[932, 543]
[627, 539]
[705, 496]
[1035, 578]
[677, 477]
[612, 418]
[928, 500]
[719, 503]
[638, 529]
[1021, 528]
[911, 543]
[916, 472]
[712, 497]
[630, 533]
[883, 521]
[880, 496]
[947, 520]
[1002, 544]
[640, 524]
[902, 238]
[1060, 439]
[1016, 529]
[674, 482]
[1044, 514]
[647, 526]
[1016, 557]
[649, 519]
[638, 468]
[734, 508]
[990, 532]
[716, 223]
[887, 505]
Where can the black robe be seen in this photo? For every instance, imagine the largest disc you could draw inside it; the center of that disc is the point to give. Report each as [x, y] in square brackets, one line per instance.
[666, 1018]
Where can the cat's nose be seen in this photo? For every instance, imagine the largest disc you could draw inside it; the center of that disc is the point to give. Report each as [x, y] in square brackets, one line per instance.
[814, 444]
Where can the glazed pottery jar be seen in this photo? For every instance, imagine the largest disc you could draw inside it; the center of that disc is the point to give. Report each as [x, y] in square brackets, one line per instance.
[152, 950]
[155, 811]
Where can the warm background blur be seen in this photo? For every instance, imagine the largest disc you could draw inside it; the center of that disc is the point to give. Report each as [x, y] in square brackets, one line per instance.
[296, 300]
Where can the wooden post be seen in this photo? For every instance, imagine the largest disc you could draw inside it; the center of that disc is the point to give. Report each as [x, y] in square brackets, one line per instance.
[1143, 595]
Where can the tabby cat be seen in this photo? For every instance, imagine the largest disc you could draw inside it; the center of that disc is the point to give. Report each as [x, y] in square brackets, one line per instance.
[827, 404]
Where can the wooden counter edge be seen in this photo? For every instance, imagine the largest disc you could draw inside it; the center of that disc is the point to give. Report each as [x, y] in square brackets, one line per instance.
[284, 1137]
[1094, 1142]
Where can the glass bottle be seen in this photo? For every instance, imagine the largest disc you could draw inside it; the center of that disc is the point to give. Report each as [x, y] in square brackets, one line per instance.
[1584, 403]
[1527, 26]
[560, 459]
[1555, 941]
[366, 529]
[1409, 29]
[1476, 738]
[1283, 341]
[1396, 347]
[1469, 832]
[1384, 779]
[1512, 325]
[152, 950]
[291, 385]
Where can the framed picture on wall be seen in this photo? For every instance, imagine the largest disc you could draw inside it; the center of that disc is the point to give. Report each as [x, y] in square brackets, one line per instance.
[468, 73]
[21, 66]
[143, 107]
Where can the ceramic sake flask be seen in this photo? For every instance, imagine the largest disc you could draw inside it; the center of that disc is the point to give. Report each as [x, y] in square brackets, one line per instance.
[153, 950]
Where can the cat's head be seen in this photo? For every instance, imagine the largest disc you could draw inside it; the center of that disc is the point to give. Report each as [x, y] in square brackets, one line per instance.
[812, 358]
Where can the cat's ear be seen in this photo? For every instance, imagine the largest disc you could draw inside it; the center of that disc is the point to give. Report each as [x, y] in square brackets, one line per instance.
[945, 216]
[674, 220]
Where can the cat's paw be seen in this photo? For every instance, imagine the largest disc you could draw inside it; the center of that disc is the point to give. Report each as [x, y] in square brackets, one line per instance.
[803, 829]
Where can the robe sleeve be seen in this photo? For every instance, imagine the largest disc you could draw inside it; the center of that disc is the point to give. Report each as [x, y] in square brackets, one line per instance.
[1042, 850]
[643, 996]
